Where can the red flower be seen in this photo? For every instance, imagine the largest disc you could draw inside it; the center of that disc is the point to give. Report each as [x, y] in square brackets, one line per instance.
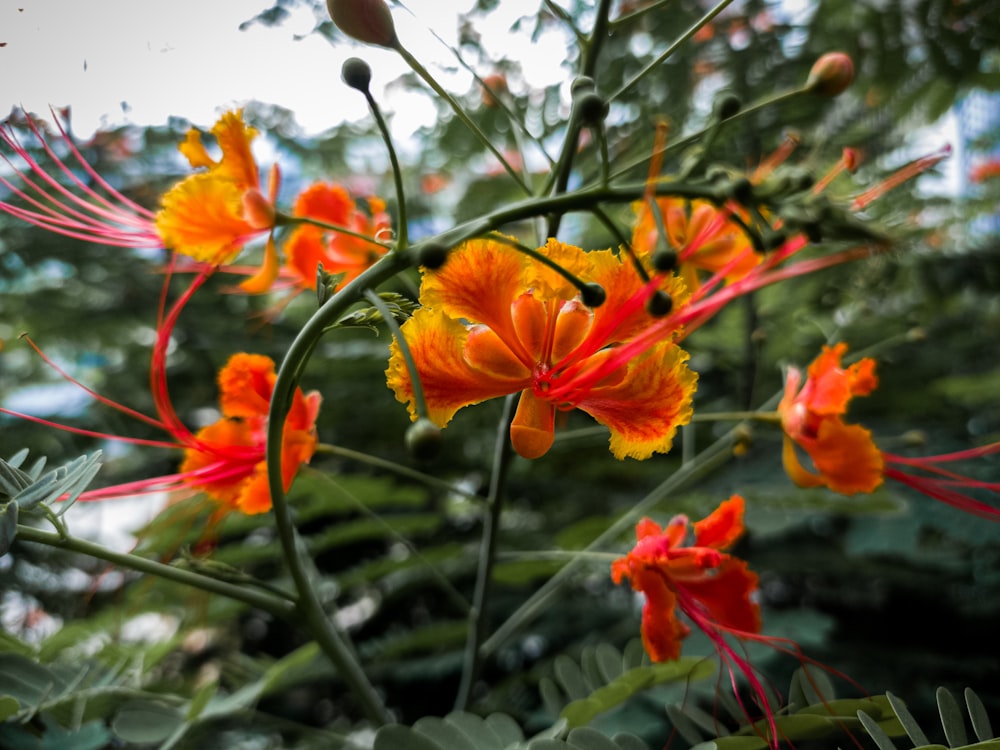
[845, 457]
[715, 590]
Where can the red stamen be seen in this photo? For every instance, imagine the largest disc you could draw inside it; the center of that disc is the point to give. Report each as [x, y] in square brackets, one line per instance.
[911, 170]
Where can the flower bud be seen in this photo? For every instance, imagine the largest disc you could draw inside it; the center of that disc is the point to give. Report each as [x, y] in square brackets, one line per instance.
[830, 75]
[494, 86]
[591, 107]
[367, 21]
[356, 73]
[432, 255]
[423, 439]
[593, 294]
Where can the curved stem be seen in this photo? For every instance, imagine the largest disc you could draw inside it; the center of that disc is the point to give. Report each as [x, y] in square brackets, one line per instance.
[402, 237]
[271, 603]
[487, 555]
[671, 49]
[462, 115]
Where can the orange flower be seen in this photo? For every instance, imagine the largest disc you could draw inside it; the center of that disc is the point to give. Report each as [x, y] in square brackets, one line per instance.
[496, 322]
[211, 215]
[339, 252]
[845, 456]
[704, 237]
[715, 590]
[226, 459]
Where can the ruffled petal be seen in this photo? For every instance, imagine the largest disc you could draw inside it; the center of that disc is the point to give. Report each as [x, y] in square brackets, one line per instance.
[437, 343]
[662, 632]
[645, 408]
[727, 596]
[234, 137]
[486, 352]
[202, 217]
[480, 281]
[723, 526]
[304, 251]
[846, 457]
[325, 201]
[246, 384]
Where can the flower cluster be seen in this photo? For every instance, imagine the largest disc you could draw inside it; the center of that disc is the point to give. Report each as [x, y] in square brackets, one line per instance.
[209, 216]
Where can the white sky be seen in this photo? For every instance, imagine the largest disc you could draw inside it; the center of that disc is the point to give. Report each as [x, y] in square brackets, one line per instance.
[188, 58]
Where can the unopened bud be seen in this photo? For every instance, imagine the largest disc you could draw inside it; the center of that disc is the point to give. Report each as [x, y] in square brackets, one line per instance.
[591, 107]
[659, 304]
[593, 294]
[830, 75]
[257, 210]
[432, 255]
[581, 85]
[367, 21]
[665, 261]
[423, 439]
[727, 104]
[494, 86]
[851, 159]
[356, 73]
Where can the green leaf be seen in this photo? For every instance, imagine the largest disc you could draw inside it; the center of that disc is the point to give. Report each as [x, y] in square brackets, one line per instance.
[504, 727]
[146, 722]
[876, 732]
[733, 742]
[8, 526]
[476, 729]
[12, 479]
[446, 735]
[587, 738]
[809, 687]
[629, 742]
[977, 712]
[583, 710]
[399, 737]
[8, 707]
[570, 678]
[913, 730]
[951, 718]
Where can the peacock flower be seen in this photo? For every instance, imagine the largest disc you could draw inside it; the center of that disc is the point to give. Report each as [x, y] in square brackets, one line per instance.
[211, 215]
[348, 251]
[716, 591]
[495, 322]
[683, 569]
[226, 459]
[845, 457]
[208, 216]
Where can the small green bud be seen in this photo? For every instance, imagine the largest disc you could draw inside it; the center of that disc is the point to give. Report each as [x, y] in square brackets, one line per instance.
[593, 294]
[423, 439]
[432, 255]
[659, 304]
[727, 104]
[591, 107]
[665, 261]
[581, 85]
[356, 73]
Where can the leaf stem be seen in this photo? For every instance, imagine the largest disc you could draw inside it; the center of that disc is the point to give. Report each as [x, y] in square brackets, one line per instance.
[271, 603]
[487, 555]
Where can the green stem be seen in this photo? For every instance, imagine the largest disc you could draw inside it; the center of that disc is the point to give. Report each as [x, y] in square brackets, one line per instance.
[487, 556]
[692, 137]
[275, 605]
[671, 49]
[770, 417]
[402, 237]
[462, 115]
[404, 349]
[288, 221]
[395, 468]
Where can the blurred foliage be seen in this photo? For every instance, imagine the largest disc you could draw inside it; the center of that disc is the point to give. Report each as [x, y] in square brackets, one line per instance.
[892, 589]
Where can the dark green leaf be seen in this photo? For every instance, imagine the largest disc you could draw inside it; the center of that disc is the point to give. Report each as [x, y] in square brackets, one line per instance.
[951, 718]
[977, 712]
[146, 721]
[399, 737]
